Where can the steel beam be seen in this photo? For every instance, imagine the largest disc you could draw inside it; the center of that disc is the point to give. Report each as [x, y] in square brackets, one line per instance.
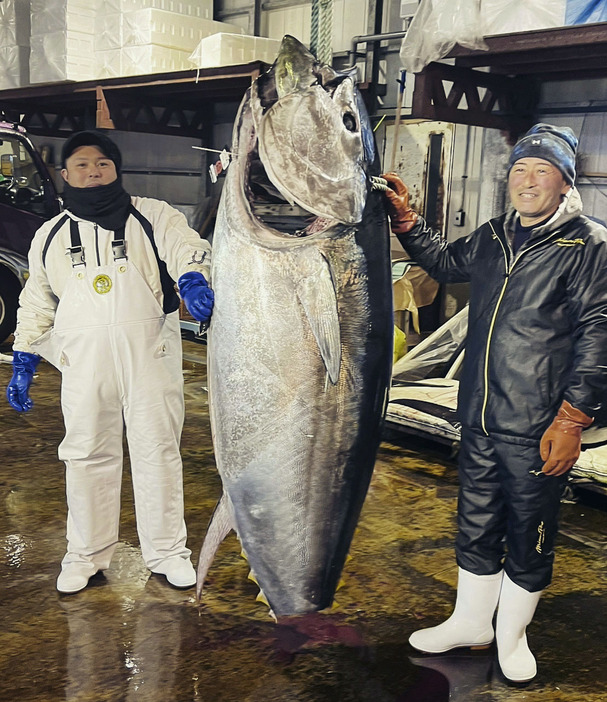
[465, 96]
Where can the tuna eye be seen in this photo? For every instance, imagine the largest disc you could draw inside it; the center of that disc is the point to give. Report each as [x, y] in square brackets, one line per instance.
[349, 121]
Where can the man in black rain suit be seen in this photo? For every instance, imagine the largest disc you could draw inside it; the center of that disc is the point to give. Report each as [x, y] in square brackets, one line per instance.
[534, 375]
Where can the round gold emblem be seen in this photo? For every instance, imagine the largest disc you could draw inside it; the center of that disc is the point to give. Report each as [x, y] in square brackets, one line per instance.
[102, 284]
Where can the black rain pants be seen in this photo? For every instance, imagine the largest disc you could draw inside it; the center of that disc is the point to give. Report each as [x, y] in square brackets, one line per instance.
[507, 509]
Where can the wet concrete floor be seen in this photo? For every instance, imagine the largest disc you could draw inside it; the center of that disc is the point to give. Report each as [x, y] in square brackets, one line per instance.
[130, 636]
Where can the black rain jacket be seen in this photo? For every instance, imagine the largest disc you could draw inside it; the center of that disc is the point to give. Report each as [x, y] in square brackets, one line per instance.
[537, 330]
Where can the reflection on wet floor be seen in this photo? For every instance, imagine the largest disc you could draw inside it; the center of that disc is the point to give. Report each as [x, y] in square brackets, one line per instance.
[130, 636]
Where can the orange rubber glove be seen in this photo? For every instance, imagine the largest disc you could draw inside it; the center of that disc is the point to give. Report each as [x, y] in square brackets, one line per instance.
[562, 442]
[402, 217]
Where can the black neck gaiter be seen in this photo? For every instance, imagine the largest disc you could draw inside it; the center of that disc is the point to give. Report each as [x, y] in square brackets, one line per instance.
[106, 205]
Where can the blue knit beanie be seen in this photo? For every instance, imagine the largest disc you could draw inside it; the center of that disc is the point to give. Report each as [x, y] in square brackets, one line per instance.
[554, 144]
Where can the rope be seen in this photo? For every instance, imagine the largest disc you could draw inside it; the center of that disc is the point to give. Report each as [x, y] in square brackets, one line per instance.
[314, 28]
[321, 35]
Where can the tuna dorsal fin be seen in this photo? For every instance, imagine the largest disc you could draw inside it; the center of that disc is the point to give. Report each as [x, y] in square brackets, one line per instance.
[318, 297]
[222, 522]
[294, 67]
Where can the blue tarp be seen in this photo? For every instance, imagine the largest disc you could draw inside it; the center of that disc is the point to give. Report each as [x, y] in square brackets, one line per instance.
[585, 11]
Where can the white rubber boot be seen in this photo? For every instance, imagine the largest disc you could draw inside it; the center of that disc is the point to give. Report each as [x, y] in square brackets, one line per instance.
[515, 612]
[75, 577]
[471, 623]
[178, 571]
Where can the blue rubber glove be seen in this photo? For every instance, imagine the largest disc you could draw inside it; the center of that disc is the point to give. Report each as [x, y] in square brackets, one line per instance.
[197, 295]
[17, 391]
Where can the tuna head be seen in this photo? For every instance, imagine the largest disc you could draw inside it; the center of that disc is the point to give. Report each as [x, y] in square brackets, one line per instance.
[314, 138]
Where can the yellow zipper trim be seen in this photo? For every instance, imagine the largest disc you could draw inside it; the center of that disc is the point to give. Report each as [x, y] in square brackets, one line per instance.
[495, 311]
[489, 335]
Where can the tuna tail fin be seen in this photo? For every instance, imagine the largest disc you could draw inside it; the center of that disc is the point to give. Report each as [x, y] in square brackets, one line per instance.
[222, 522]
[319, 300]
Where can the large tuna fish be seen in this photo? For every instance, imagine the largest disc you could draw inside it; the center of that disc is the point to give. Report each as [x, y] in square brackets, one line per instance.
[300, 343]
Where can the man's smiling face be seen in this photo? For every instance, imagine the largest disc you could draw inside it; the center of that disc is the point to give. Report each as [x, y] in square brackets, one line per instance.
[536, 189]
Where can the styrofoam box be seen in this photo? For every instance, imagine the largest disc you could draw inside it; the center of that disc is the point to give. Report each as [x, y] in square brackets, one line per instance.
[14, 66]
[228, 49]
[109, 6]
[108, 31]
[151, 58]
[48, 16]
[108, 63]
[168, 29]
[194, 8]
[14, 23]
[62, 56]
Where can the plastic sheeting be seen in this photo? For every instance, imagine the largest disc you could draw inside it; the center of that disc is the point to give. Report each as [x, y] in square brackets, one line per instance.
[423, 396]
[506, 16]
[48, 16]
[435, 29]
[432, 357]
[14, 43]
[14, 23]
[14, 66]
[440, 24]
[63, 55]
[592, 465]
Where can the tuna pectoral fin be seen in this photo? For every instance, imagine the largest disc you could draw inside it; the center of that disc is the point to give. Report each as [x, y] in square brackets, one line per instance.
[317, 295]
[220, 526]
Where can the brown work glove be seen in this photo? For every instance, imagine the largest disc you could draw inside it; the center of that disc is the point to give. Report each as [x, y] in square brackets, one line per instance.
[562, 442]
[402, 217]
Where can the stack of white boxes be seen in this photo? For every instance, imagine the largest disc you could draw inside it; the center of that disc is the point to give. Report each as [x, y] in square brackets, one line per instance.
[151, 36]
[88, 39]
[62, 40]
[47, 41]
[14, 43]
[163, 41]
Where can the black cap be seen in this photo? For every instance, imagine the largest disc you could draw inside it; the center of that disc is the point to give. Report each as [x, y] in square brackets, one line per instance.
[96, 138]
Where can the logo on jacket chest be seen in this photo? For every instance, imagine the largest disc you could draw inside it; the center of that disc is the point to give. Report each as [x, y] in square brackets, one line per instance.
[570, 242]
[102, 284]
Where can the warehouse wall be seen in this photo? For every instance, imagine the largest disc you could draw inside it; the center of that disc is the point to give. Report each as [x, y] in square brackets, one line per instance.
[583, 107]
[474, 160]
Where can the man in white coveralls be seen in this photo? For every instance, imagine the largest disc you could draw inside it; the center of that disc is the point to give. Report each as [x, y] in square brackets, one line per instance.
[100, 304]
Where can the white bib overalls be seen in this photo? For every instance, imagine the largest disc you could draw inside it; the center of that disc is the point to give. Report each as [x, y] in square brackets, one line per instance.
[121, 363]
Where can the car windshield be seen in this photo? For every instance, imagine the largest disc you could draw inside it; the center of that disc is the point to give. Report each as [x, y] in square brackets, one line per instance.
[20, 182]
[437, 356]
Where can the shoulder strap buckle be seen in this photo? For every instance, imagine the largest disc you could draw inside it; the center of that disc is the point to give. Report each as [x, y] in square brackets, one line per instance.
[76, 253]
[119, 249]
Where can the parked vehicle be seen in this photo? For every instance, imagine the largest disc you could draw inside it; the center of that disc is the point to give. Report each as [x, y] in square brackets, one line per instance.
[423, 399]
[28, 197]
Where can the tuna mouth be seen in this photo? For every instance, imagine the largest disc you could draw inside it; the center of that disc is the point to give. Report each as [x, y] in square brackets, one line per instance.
[270, 208]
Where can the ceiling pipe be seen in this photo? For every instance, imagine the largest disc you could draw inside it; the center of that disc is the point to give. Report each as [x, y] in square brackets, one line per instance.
[367, 38]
